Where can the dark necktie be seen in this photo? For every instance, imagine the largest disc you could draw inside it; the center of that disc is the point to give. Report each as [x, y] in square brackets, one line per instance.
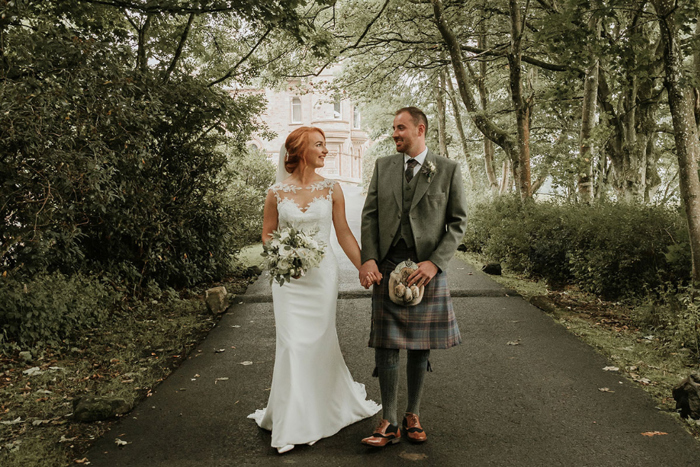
[410, 165]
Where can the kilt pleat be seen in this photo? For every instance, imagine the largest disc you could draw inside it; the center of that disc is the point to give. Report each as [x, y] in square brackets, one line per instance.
[429, 325]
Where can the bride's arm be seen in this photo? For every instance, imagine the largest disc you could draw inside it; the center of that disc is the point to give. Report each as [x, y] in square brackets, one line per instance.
[269, 216]
[346, 239]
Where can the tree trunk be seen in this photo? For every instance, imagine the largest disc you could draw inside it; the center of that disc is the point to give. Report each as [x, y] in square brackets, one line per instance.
[588, 121]
[521, 158]
[505, 177]
[590, 93]
[489, 150]
[141, 56]
[483, 123]
[684, 126]
[696, 62]
[460, 128]
[440, 97]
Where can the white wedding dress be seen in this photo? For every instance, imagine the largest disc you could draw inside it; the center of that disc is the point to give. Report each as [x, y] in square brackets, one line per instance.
[313, 395]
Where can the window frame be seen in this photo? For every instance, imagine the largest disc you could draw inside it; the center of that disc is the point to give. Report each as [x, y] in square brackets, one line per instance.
[293, 103]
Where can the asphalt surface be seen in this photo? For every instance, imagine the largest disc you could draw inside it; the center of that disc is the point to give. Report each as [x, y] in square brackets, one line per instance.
[537, 403]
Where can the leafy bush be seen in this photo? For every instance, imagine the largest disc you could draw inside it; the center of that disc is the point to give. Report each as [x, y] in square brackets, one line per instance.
[614, 250]
[105, 169]
[52, 308]
[674, 312]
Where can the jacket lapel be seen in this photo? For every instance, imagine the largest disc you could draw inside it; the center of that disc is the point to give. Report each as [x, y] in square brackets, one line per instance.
[423, 183]
[397, 179]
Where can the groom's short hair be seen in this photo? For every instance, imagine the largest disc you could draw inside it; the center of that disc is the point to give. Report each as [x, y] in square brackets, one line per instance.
[416, 114]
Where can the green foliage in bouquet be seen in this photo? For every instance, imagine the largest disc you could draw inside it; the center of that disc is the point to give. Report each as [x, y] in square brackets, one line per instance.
[291, 253]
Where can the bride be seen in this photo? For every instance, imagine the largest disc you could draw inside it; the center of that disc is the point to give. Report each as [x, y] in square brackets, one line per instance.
[313, 395]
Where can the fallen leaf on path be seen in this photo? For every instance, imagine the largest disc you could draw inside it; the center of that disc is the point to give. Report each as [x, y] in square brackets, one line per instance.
[220, 379]
[119, 442]
[246, 363]
[611, 368]
[513, 343]
[605, 390]
[413, 457]
[13, 422]
[236, 326]
[65, 440]
[653, 433]
[643, 380]
[220, 350]
[84, 460]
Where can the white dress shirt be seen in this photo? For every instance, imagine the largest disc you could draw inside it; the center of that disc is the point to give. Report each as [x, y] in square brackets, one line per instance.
[420, 158]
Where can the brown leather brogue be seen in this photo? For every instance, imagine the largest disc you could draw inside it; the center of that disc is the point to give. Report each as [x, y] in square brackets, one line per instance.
[413, 429]
[384, 434]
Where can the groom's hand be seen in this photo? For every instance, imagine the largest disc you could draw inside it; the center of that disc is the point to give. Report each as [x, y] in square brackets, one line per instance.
[369, 274]
[424, 274]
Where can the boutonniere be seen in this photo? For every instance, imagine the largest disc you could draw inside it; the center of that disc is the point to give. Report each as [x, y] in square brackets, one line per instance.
[429, 170]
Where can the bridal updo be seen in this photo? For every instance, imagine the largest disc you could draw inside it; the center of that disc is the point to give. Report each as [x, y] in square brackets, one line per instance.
[296, 145]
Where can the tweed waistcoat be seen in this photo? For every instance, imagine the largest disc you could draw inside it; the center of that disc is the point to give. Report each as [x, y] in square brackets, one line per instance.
[405, 231]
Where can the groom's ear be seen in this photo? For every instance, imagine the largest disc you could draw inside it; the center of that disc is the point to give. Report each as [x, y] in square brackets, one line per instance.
[421, 129]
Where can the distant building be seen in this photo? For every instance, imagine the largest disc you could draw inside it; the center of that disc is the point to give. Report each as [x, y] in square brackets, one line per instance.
[340, 120]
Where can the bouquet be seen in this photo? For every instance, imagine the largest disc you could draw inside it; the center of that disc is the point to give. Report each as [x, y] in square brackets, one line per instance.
[291, 252]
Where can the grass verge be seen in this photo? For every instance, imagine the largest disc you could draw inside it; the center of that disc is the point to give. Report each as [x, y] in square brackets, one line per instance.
[645, 356]
[125, 358]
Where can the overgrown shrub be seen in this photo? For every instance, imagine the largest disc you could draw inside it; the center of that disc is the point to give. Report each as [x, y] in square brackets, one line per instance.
[106, 169]
[615, 250]
[674, 312]
[52, 308]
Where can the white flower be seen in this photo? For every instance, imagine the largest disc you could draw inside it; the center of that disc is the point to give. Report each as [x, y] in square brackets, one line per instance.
[292, 251]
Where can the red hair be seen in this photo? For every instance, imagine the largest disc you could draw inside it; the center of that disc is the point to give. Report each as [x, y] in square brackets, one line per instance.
[297, 144]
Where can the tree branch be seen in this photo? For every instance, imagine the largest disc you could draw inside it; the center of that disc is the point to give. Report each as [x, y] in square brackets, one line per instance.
[243, 59]
[180, 46]
[525, 58]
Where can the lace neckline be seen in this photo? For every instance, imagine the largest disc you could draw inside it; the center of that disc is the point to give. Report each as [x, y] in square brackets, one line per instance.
[291, 188]
[320, 185]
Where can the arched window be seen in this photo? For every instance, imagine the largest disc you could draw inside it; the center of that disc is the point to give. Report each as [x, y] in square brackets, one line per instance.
[296, 110]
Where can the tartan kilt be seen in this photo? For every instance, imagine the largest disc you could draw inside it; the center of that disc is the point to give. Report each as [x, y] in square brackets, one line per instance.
[429, 325]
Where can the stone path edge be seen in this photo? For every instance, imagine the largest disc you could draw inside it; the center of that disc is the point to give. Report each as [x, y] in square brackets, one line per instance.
[352, 294]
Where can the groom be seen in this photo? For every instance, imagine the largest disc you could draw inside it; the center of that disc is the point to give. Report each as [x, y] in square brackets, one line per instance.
[415, 209]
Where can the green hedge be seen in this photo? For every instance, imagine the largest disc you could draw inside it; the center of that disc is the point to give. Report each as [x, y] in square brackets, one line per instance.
[52, 308]
[614, 250]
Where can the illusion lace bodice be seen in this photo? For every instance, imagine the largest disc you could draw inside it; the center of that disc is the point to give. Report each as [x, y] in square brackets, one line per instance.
[294, 207]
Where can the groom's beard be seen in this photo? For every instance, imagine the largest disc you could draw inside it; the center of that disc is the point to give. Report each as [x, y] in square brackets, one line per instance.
[402, 146]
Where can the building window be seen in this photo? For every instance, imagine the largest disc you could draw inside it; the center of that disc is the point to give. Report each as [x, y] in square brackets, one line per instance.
[336, 109]
[355, 118]
[296, 110]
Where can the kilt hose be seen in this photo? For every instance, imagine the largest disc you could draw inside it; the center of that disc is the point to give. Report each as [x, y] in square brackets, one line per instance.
[429, 325]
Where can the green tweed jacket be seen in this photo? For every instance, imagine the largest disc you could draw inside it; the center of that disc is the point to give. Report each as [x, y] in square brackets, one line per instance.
[438, 213]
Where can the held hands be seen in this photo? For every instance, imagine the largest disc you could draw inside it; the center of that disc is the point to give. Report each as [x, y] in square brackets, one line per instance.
[369, 274]
[424, 274]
